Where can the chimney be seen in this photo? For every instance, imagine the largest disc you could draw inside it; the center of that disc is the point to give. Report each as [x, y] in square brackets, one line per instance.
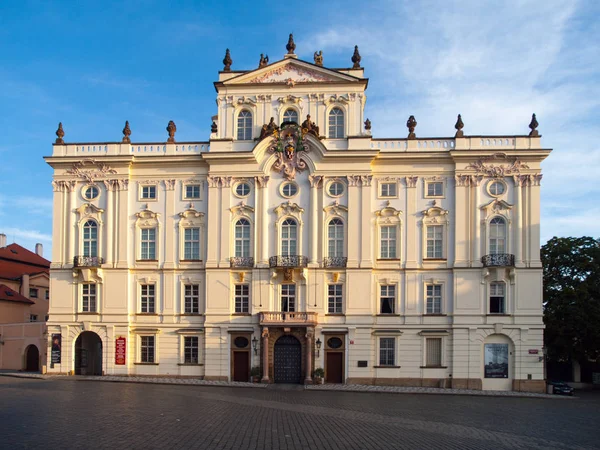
[2, 240]
[25, 285]
[39, 250]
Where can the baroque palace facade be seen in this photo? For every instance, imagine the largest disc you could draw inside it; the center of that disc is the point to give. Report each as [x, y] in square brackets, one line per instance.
[294, 240]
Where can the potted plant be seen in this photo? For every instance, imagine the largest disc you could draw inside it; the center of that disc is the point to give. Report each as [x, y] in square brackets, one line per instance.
[255, 374]
[319, 375]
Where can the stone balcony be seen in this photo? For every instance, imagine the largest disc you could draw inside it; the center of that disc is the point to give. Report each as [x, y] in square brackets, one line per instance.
[498, 260]
[291, 319]
[88, 261]
[288, 262]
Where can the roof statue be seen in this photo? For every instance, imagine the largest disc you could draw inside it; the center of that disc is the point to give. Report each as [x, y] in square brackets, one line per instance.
[264, 60]
[171, 129]
[268, 129]
[291, 46]
[533, 125]
[356, 58]
[60, 134]
[213, 127]
[126, 133]
[227, 61]
[459, 126]
[368, 125]
[310, 127]
[319, 58]
[411, 124]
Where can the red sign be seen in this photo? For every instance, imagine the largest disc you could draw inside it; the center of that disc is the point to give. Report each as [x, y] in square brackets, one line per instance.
[351, 342]
[120, 351]
[533, 351]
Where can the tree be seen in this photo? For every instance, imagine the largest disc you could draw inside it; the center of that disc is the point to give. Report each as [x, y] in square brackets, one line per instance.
[572, 298]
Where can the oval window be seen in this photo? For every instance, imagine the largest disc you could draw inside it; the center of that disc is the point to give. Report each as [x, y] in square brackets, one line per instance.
[289, 190]
[91, 192]
[336, 189]
[242, 190]
[496, 188]
[334, 342]
[241, 342]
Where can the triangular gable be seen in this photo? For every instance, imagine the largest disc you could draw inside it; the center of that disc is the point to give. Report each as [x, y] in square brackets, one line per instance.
[291, 71]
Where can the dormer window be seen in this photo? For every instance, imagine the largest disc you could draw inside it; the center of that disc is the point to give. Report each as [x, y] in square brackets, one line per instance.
[290, 116]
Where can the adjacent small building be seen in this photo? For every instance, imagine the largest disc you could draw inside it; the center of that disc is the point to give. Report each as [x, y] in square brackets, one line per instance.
[293, 239]
[24, 300]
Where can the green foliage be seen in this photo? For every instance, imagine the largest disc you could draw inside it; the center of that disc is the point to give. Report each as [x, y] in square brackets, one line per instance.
[572, 298]
[255, 371]
[319, 373]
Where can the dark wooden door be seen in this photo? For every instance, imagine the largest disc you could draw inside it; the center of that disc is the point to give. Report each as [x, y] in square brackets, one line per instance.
[33, 359]
[334, 367]
[241, 366]
[288, 360]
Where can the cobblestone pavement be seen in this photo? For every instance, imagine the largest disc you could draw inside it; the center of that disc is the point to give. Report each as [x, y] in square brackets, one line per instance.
[71, 414]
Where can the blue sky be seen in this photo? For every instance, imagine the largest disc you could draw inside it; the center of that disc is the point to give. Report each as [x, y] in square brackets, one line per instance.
[93, 65]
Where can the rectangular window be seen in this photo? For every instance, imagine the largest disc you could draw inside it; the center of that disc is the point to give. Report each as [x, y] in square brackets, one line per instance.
[149, 192]
[47, 294]
[335, 298]
[387, 299]
[497, 295]
[33, 293]
[33, 318]
[435, 240]
[147, 349]
[434, 299]
[387, 351]
[435, 189]
[388, 242]
[148, 248]
[88, 303]
[190, 350]
[192, 298]
[242, 298]
[147, 297]
[191, 244]
[433, 350]
[388, 189]
[288, 297]
[192, 191]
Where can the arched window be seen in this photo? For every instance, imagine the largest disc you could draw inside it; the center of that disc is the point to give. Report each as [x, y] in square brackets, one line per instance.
[244, 124]
[336, 123]
[497, 236]
[336, 237]
[90, 238]
[289, 237]
[290, 116]
[242, 238]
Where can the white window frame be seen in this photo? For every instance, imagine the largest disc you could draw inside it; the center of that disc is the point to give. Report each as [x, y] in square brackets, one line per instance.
[245, 242]
[185, 348]
[339, 242]
[388, 216]
[295, 111]
[241, 296]
[434, 195]
[239, 184]
[192, 242]
[192, 297]
[88, 241]
[505, 237]
[434, 240]
[440, 297]
[244, 133]
[331, 134]
[504, 301]
[95, 296]
[392, 242]
[393, 339]
[193, 186]
[288, 183]
[434, 334]
[148, 241]
[34, 292]
[284, 291]
[85, 189]
[285, 242]
[144, 198]
[337, 297]
[154, 347]
[149, 296]
[380, 297]
[382, 187]
[489, 185]
[334, 183]
[434, 216]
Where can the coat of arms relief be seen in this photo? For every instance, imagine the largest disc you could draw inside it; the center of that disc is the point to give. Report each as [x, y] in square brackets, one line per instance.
[288, 146]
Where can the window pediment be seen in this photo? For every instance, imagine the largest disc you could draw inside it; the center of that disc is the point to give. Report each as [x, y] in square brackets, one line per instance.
[290, 99]
[388, 214]
[89, 211]
[435, 214]
[335, 209]
[147, 219]
[191, 218]
[496, 205]
[242, 210]
[335, 98]
[289, 209]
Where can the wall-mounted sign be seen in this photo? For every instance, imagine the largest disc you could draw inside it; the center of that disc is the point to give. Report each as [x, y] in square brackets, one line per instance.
[533, 351]
[120, 351]
[55, 350]
[496, 360]
[362, 363]
[351, 342]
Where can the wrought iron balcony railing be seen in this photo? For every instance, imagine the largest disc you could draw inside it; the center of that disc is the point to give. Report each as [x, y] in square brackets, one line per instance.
[88, 261]
[290, 261]
[335, 261]
[241, 261]
[287, 318]
[498, 260]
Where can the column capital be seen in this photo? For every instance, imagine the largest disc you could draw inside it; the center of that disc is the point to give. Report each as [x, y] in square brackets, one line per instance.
[316, 181]
[262, 181]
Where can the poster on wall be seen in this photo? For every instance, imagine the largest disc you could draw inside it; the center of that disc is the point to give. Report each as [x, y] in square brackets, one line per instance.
[120, 351]
[496, 360]
[55, 349]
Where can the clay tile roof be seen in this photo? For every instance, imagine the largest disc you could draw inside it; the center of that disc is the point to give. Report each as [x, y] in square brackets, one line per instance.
[15, 252]
[9, 295]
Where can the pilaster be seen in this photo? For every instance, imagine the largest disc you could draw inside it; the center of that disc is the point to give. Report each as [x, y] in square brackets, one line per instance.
[263, 183]
[412, 237]
[122, 224]
[354, 220]
[518, 208]
[213, 219]
[316, 182]
[534, 224]
[461, 226]
[224, 252]
[169, 242]
[366, 234]
[71, 234]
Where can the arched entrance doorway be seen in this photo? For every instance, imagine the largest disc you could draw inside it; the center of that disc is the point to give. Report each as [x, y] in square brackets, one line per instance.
[498, 363]
[32, 359]
[88, 354]
[287, 360]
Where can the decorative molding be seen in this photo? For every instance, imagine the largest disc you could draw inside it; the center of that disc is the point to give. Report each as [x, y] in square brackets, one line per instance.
[411, 182]
[366, 180]
[149, 182]
[217, 181]
[388, 215]
[498, 171]
[496, 205]
[262, 181]
[289, 209]
[243, 100]
[316, 181]
[290, 99]
[169, 185]
[288, 146]
[537, 179]
[191, 218]
[146, 219]
[335, 209]
[242, 210]
[99, 170]
[435, 215]
[289, 73]
[359, 180]
[335, 98]
[90, 211]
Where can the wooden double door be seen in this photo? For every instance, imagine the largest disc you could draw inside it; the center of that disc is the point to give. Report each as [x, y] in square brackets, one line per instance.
[335, 351]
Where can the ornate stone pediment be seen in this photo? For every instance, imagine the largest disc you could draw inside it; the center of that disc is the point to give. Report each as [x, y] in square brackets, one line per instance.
[514, 167]
[335, 209]
[289, 209]
[90, 211]
[242, 210]
[388, 214]
[191, 218]
[147, 218]
[337, 98]
[496, 205]
[246, 101]
[91, 170]
[290, 99]
[435, 214]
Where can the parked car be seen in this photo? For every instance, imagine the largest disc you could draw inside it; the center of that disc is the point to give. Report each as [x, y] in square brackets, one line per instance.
[561, 388]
